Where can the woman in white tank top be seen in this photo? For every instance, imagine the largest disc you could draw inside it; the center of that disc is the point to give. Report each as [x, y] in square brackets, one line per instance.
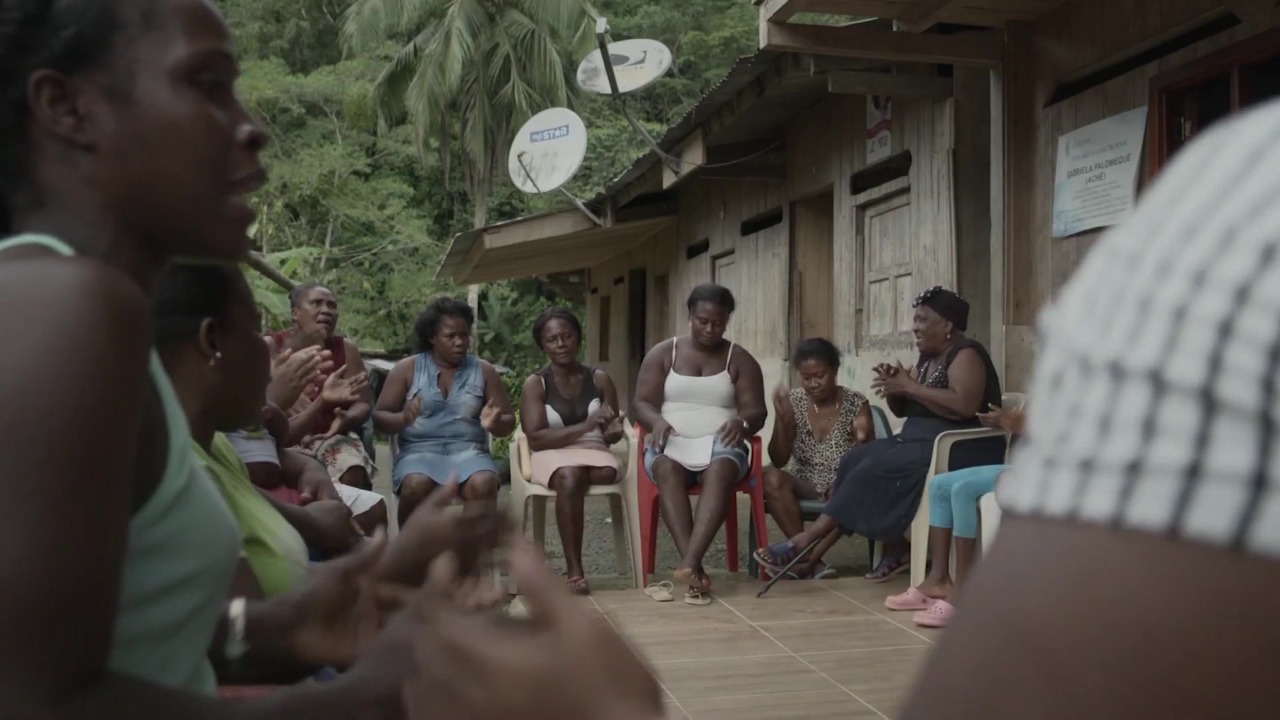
[700, 398]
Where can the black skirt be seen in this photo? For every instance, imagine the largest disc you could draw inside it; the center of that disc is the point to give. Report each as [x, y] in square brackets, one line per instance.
[878, 485]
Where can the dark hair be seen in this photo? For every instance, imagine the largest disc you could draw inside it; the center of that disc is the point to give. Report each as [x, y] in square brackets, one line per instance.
[555, 313]
[67, 36]
[299, 293]
[717, 295]
[820, 349]
[428, 322]
[187, 293]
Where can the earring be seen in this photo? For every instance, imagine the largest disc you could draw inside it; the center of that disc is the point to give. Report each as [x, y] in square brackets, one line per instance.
[948, 336]
[216, 357]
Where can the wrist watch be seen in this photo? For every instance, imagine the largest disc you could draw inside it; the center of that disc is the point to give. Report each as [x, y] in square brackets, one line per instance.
[235, 646]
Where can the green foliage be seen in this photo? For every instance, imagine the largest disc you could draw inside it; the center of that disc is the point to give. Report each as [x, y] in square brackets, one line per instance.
[380, 156]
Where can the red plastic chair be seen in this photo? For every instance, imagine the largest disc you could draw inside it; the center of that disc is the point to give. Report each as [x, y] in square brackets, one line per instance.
[647, 504]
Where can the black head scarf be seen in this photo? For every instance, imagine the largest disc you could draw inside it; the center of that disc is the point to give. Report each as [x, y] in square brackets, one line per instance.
[953, 308]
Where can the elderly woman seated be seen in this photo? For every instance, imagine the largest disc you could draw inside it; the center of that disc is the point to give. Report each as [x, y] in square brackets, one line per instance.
[878, 485]
[568, 412]
[443, 404]
[814, 426]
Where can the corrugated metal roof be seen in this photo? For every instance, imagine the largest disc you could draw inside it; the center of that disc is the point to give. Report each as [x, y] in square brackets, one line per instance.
[743, 71]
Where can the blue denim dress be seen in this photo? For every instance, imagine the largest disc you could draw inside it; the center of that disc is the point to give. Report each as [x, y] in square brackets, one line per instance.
[446, 442]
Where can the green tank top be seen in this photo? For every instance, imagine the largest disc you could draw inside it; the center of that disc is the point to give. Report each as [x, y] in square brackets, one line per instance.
[181, 554]
[275, 551]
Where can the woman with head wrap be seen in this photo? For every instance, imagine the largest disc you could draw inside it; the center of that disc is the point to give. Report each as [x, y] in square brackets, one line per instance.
[878, 485]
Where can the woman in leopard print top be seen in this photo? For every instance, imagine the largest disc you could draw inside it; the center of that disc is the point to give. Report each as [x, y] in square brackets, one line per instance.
[814, 425]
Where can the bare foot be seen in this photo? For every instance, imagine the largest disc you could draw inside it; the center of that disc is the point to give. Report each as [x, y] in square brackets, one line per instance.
[936, 589]
[694, 578]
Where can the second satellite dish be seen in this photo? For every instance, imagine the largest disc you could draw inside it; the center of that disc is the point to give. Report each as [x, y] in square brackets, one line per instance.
[548, 151]
[637, 64]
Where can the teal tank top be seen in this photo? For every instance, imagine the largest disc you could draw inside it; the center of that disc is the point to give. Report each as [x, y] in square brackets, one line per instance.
[182, 552]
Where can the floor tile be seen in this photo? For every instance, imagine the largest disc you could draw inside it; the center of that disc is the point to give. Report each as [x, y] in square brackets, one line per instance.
[741, 676]
[810, 606]
[698, 645]
[882, 678]
[836, 635]
[782, 706]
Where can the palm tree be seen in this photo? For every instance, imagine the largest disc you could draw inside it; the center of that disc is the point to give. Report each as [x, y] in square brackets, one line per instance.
[471, 72]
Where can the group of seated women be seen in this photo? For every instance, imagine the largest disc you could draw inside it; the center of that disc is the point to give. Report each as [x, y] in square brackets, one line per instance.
[699, 398]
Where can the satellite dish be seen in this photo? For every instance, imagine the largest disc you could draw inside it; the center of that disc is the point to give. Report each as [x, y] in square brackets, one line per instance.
[637, 64]
[548, 151]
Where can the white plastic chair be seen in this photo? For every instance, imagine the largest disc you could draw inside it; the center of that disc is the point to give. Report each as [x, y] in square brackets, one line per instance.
[526, 496]
[942, 447]
[989, 519]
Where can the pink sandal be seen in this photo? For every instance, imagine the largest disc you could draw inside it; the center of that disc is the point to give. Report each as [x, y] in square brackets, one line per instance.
[938, 615]
[912, 599]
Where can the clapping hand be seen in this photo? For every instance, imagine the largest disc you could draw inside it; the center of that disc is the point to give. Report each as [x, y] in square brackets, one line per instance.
[782, 401]
[603, 416]
[433, 530]
[343, 392]
[1011, 421]
[293, 372]
[893, 380]
[595, 675]
[412, 409]
[492, 416]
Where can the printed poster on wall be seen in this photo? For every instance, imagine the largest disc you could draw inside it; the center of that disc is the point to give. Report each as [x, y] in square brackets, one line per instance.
[879, 128]
[1096, 178]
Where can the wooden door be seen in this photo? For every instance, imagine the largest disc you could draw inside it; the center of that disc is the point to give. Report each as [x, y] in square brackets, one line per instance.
[812, 269]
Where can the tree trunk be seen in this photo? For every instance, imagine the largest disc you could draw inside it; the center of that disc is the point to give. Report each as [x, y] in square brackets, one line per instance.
[478, 220]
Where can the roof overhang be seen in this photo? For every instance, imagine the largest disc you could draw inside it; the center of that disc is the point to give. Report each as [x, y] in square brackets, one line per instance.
[541, 245]
[913, 15]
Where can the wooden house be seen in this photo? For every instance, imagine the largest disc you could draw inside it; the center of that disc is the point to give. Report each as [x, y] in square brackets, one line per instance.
[843, 168]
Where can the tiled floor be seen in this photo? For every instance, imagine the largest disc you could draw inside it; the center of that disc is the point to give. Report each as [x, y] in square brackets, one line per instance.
[808, 650]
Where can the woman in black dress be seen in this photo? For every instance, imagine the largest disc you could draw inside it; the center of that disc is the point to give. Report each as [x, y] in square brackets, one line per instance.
[878, 485]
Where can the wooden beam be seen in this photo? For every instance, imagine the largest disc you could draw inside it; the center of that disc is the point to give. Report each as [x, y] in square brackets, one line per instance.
[779, 10]
[982, 49]
[745, 171]
[692, 154]
[893, 85]
[925, 15]
[264, 268]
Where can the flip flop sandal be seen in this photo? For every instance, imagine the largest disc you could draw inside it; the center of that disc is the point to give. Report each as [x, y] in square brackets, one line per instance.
[938, 615]
[910, 600]
[578, 585]
[777, 556]
[828, 573]
[886, 571]
[660, 591]
[697, 597]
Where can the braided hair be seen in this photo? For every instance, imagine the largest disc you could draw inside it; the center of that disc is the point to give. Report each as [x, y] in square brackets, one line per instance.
[65, 36]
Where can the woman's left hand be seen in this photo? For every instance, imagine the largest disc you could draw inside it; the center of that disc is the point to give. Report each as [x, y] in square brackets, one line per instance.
[733, 432]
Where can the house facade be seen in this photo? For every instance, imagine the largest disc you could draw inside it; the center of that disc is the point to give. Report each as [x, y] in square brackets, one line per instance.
[843, 168]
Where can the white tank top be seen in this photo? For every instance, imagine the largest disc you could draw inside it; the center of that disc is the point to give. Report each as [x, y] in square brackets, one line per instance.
[696, 408]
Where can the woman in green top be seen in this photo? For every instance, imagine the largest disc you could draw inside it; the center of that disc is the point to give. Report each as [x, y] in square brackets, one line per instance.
[121, 136]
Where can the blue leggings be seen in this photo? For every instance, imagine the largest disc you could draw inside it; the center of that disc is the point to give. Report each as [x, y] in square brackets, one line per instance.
[953, 498]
